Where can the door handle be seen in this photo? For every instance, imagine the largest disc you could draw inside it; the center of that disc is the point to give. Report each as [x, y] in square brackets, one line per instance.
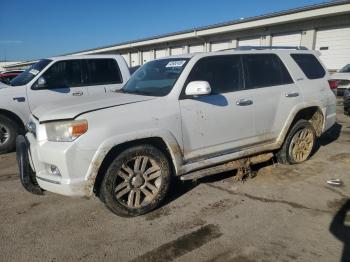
[19, 99]
[79, 93]
[244, 102]
[292, 94]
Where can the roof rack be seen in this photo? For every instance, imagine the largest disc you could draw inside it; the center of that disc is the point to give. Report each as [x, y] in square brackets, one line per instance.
[270, 47]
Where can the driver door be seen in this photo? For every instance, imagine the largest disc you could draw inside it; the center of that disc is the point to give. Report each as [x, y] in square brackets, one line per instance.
[223, 121]
[64, 80]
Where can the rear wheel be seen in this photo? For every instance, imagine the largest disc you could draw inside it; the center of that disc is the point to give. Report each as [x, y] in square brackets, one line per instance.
[9, 130]
[298, 145]
[137, 181]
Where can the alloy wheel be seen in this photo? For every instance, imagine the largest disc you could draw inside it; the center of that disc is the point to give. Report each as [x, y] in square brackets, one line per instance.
[301, 145]
[4, 134]
[138, 182]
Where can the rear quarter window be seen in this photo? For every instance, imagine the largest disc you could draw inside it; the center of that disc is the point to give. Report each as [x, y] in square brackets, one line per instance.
[309, 64]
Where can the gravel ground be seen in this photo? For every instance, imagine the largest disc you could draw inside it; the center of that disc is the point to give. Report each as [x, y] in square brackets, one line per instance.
[285, 213]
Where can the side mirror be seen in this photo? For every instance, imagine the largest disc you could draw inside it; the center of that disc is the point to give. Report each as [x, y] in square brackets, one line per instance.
[198, 88]
[41, 83]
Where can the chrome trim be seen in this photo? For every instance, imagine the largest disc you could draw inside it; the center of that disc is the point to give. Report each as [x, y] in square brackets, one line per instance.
[49, 180]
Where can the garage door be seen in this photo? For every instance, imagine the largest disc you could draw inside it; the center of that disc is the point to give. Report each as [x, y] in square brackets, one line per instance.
[287, 39]
[146, 56]
[196, 48]
[217, 46]
[126, 58]
[177, 50]
[249, 42]
[134, 59]
[334, 45]
[161, 53]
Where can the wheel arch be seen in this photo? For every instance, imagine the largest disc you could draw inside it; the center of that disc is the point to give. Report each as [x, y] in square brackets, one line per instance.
[14, 117]
[312, 113]
[172, 152]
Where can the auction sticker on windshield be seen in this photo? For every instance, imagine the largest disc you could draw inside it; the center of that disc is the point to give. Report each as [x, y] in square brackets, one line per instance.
[34, 72]
[178, 63]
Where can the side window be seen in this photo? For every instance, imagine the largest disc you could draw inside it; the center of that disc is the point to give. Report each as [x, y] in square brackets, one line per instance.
[265, 70]
[63, 74]
[309, 65]
[103, 71]
[222, 72]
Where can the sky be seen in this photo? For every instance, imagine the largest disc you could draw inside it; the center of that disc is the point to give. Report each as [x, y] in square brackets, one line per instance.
[42, 28]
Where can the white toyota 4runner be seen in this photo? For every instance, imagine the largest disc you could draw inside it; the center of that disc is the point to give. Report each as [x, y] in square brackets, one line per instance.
[53, 79]
[184, 116]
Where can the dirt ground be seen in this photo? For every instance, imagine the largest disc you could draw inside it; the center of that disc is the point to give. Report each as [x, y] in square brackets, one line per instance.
[285, 213]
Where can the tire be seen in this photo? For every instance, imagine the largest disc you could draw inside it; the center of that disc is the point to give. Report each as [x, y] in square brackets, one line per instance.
[298, 145]
[137, 181]
[9, 131]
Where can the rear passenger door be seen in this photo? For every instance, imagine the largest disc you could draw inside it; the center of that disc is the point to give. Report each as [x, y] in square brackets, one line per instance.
[275, 93]
[103, 75]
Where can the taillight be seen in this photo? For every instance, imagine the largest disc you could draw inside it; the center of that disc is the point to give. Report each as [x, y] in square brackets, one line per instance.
[333, 84]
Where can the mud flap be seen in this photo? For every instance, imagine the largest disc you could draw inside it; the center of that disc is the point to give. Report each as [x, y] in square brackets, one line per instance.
[26, 173]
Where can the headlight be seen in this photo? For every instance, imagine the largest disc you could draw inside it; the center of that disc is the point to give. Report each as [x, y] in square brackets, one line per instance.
[66, 131]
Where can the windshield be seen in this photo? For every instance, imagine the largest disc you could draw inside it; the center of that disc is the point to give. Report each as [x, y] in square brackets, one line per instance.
[30, 73]
[156, 78]
[345, 69]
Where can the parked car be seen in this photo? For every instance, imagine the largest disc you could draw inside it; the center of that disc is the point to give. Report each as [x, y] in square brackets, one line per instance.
[53, 79]
[342, 79]
[346, 101]
[186, 116]
[7, 76]
[133, 69]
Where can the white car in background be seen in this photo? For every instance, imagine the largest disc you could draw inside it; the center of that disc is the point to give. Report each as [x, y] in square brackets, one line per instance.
[343, 79]
[54, 79]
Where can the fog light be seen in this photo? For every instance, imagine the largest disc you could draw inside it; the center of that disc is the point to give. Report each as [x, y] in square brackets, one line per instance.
[54, 170]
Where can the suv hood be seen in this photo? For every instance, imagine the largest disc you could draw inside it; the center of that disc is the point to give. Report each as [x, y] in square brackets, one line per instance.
[72, 107]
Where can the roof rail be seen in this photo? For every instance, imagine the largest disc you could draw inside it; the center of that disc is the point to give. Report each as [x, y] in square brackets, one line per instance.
[270, 47]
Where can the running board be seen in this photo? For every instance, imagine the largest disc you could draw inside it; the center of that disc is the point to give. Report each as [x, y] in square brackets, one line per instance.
[232, 165]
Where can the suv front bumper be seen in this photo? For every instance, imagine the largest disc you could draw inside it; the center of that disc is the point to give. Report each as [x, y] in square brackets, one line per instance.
[26, 173]
[35, 160]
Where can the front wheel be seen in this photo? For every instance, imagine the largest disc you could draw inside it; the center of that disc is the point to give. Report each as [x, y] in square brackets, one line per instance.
[299, 144]
[137, 181]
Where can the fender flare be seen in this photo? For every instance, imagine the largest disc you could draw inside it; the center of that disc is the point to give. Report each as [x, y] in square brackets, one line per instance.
[292, 116]
[105, 148]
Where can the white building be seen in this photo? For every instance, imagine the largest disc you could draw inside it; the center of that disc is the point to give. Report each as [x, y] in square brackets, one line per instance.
[324, 27]
[4, 64]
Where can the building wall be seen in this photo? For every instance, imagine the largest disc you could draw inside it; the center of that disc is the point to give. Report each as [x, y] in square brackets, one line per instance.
[325, 28]
[3, 64]
[292, 34]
